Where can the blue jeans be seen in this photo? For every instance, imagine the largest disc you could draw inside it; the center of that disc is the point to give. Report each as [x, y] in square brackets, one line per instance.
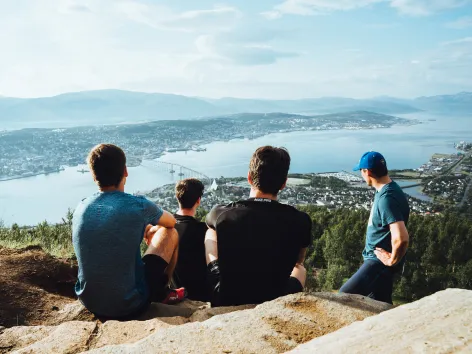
[373, 279]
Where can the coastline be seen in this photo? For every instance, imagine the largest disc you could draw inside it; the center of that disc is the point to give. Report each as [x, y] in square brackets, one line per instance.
[199, 146]
[11, 178]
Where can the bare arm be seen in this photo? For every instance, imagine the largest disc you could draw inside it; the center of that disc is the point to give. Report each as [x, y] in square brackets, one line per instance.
[400, 240]
[167, 220]
[211, 246]
[301, 256]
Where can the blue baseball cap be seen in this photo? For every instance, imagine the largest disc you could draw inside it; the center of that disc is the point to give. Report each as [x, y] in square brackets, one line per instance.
[371, 160]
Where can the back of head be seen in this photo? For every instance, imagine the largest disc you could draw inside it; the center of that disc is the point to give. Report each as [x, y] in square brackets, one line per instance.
[107, 163]
[188, 191]
[268, 169]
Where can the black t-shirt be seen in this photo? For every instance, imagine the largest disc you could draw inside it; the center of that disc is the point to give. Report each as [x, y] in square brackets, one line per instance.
[191, 268]
[259, 242]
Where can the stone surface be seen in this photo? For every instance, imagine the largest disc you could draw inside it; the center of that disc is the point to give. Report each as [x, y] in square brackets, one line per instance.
[67, 338]
[115, 332]
[440, 323]
[273, 327]
[72, 316]
[22, 336]
[321, 322]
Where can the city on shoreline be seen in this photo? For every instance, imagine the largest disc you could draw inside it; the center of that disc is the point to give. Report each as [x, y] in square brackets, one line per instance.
[445, 181]
[31, 152]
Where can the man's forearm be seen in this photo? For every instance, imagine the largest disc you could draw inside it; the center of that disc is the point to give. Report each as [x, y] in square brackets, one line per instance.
[399, 248]
[167, 220]
[301, 256]
[211, 246]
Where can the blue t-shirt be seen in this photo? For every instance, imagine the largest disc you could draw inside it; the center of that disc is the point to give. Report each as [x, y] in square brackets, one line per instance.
[107, 231]
[390, 205]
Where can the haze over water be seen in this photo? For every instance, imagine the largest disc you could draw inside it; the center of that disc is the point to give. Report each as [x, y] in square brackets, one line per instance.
[32, 200]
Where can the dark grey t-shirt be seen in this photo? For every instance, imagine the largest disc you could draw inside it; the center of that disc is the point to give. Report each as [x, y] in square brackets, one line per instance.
[390, 205]
[107, 231]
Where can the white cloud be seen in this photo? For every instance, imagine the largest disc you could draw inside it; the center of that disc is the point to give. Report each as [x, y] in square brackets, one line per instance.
[460, 23]
[319, 7]
[315, 7]
[458, 41]
[160, 17]
[247, 52]
[426, 7]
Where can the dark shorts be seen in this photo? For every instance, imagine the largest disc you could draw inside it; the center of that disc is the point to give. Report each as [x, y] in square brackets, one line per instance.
[156, 278]
[213, 279]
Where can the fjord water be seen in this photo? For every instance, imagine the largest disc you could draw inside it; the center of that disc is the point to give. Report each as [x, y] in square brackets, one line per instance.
[31, 200]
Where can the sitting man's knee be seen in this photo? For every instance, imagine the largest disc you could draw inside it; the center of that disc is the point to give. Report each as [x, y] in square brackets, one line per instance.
[162, 242]
[159, 234]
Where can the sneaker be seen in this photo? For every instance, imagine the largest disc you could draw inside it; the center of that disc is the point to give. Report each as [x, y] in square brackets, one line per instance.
[174, 296]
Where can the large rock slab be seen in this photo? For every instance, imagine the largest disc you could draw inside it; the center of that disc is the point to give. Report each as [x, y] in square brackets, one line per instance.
[440, 323]
[115, 332]
[22, 336]
[67, 338]
[273, 327]
[95, 334]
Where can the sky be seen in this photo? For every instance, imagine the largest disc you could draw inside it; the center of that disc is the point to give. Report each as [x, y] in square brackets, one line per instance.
[278, 49]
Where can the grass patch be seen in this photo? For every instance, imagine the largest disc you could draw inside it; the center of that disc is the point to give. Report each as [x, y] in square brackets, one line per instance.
[55, 239]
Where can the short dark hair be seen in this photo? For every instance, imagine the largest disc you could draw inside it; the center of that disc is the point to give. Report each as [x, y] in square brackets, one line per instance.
[188, 191]
[268, 169]
[107, 163]
[379, 171]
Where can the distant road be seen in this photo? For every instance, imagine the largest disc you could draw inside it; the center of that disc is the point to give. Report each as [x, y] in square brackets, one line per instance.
[464, 197]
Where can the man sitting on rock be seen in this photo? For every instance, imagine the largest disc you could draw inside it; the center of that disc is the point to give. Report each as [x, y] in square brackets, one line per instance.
[255, 248]
[191, 268]
[107, 230]
[387, 237]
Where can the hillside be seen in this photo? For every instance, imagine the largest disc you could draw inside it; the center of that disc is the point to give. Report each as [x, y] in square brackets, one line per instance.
[116, 107]
[460, 103]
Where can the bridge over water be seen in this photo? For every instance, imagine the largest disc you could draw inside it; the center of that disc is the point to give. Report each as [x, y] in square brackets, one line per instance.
[179, 171]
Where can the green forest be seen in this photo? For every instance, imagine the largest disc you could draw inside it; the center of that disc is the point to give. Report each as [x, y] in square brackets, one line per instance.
[439, 255]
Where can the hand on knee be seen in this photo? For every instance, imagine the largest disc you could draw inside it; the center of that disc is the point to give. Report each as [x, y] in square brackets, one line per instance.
[149, 233]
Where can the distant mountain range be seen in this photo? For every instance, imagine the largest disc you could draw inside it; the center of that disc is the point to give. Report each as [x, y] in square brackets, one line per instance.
[116, 106]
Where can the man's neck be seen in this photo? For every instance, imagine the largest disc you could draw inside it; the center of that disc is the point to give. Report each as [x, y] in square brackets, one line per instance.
[187, 212]
[112, 189]
[255, 193]
[381, 182]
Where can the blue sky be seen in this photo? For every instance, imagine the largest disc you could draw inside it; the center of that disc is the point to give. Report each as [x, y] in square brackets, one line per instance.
[261, 49]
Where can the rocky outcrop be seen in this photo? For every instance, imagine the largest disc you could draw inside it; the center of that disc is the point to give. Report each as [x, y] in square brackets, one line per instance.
[69, 337]
[75, 330]
[304, 323]
[273, 327]
[440, 323]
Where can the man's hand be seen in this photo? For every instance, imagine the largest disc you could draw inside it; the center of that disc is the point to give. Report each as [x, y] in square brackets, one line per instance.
[150, 232]
[384, 256]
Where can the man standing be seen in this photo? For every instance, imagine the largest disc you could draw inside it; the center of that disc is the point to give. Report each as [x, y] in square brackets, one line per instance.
[191, 268]
[387, 237]
[255, 248]
[107, 230]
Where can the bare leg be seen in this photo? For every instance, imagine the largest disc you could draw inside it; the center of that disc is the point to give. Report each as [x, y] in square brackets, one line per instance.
[163, 243]
[173, 262]
[211, 246]
[299, 272]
